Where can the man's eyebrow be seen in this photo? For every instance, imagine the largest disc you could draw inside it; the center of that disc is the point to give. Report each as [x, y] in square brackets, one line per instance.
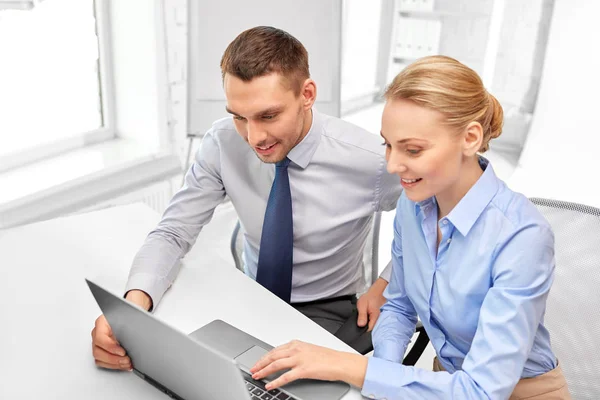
[230, 111]
[270, 110]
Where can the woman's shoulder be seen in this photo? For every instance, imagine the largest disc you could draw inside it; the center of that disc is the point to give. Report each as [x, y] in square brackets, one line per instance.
[518, 212]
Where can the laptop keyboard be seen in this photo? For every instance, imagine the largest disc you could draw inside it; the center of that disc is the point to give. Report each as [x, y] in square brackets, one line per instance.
[258, 391]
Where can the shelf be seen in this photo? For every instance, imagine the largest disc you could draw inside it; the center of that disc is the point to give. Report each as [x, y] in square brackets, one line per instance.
[18, 4]
[436, 14]
[405, 60]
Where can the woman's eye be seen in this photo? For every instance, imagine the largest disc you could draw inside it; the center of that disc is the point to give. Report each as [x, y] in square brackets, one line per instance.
[268, 116]
[413, 152]
[386, 144]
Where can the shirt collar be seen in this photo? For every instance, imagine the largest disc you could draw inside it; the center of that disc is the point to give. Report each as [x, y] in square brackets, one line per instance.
[464, 215]
[302, 153]
[470, 207]
[425, 204]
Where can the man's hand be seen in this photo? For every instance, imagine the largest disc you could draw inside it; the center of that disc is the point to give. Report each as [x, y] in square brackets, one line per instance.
[106, 350]
[370, 303]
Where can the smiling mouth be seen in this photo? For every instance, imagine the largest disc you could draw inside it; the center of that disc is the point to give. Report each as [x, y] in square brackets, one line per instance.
[411, 180]
[265, 147]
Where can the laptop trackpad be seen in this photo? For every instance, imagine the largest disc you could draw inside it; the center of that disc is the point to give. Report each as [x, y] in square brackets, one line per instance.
[248, 358]
[305, 388]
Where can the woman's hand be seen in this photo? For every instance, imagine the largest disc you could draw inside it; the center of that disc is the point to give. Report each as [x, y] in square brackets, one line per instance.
[308, 361]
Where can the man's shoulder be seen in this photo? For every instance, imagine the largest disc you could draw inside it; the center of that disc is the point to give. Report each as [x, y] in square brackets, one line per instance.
[342, 131]
[223, 134]
[222, 126]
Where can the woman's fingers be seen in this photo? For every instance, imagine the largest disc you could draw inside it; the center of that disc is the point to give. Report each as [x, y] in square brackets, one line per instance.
[286, 378]
[282, 351]
[276, 365]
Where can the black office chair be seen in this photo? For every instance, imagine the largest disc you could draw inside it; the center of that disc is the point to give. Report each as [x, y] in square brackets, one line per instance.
[572, 307]
[349, 329]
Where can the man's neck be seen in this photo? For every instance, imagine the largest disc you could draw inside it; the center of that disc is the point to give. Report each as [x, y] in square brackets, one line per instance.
[308, 120]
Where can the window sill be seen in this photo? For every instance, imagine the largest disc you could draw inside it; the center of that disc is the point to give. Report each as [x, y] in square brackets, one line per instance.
[80, 178]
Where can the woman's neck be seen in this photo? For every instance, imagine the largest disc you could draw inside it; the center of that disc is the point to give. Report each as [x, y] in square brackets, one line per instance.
[469, 175]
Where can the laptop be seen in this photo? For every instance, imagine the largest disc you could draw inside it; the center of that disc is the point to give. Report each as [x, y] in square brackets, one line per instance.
[212, 362]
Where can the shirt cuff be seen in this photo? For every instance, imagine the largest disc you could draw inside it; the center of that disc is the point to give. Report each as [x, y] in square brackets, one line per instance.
[153, 286]
[383, 379]
[387, 272]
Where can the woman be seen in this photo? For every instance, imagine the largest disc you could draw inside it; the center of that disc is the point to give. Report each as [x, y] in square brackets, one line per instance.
[471, 258]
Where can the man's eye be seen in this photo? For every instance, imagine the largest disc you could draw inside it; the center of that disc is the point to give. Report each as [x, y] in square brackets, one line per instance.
[237, 117]
[268, 116]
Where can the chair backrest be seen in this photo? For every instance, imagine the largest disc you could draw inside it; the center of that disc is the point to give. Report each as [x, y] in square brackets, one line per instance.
[370, 258]
[237, 246]
[573, 306]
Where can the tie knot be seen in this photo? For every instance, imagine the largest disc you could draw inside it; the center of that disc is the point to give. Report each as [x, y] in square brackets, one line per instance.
[283, 163]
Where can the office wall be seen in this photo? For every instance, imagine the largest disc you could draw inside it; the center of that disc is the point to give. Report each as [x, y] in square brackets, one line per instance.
[516, 65]
[175, 18]
[518, 69]
[140, 111]
[560, 156]
[360, 46]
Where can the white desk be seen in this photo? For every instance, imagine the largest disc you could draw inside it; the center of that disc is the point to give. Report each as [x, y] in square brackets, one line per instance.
[47, 312]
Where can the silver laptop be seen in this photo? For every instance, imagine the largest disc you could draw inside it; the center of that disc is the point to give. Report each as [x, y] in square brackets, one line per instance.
[211, 363]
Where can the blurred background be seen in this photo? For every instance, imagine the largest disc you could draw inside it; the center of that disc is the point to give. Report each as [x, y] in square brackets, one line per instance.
[103, 102]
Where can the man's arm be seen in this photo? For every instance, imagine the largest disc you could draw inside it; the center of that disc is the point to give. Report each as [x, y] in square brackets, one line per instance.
[157, 262]
[370, 303]
[388, 190]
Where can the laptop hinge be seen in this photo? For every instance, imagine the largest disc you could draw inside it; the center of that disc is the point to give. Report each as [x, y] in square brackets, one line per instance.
[157, 385]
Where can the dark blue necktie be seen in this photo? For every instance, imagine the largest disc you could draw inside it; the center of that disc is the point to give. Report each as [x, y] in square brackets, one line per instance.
[277, 240]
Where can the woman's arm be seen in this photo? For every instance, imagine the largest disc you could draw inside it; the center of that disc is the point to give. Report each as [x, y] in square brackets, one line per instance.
[307, 360]
[509, 318]
[396, 324]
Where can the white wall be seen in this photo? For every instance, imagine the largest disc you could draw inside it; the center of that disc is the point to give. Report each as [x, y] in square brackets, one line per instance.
[560, 156]
[140, 92]
[360, 47]
[513, 72]
[518, 67]
[504, 41]
[175, 20]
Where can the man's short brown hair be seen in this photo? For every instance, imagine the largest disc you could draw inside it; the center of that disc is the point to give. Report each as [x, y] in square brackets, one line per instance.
[262, 50]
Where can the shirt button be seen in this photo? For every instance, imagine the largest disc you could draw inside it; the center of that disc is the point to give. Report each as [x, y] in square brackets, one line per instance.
[448, 241]
[445, 222]
[371, 396]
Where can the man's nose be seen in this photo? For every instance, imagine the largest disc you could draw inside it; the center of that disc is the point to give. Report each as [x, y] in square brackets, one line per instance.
[256, 135]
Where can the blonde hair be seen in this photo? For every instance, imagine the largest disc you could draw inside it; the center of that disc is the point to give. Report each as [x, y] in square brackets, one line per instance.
[445, 85]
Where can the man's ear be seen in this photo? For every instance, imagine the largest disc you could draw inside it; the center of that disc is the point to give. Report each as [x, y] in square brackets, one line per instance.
[308, 93]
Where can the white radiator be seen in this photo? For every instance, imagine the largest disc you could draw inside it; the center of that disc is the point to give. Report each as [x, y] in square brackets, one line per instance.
[152, 180]
[156, 196]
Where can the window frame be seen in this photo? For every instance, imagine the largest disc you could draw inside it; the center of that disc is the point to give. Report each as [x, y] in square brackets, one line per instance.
[107, 100]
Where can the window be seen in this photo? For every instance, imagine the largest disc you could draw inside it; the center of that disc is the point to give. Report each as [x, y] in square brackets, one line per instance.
[53, 94]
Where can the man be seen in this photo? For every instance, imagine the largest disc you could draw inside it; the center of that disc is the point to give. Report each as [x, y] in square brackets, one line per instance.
[305, 187]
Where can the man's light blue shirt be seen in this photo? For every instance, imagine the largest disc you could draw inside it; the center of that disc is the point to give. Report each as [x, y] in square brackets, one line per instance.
[481, 296]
